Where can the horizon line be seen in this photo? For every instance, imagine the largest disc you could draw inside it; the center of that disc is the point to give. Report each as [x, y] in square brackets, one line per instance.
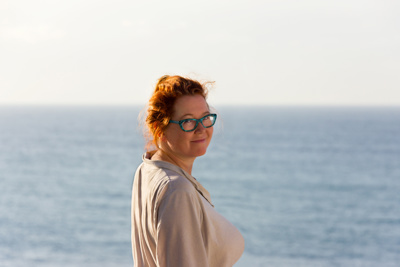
[213, 105]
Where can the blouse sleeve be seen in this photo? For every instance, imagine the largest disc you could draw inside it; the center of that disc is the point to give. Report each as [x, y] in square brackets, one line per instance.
[179, 237]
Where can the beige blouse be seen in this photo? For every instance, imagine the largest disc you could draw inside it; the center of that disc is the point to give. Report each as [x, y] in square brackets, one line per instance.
[174, 223]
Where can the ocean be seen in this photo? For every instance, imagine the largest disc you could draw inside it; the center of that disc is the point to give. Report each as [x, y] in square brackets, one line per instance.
[306, 186]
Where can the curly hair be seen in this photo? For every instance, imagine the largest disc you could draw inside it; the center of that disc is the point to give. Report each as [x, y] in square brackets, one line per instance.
[161, 104]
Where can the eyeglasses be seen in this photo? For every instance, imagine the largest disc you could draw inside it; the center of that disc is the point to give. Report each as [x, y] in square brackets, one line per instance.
[188, 125]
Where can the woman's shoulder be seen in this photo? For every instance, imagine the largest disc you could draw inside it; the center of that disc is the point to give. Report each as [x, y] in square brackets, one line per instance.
[174, 181]
[167, 185]
[162, 178]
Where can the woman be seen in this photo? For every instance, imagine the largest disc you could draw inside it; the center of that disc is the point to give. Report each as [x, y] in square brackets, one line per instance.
[174, 222]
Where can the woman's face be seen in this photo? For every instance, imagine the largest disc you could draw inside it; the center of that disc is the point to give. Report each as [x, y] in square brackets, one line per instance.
[187, 145]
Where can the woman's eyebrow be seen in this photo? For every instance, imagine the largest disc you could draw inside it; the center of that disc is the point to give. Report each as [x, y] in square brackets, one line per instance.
[191, 115]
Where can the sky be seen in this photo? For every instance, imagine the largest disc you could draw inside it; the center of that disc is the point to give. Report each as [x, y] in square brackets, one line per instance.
[97, 52]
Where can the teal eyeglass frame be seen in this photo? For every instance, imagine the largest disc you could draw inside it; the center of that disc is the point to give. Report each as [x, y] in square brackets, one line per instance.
[197, 122]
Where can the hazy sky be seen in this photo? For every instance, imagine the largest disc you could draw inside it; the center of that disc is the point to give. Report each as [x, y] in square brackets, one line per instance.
[257, 52]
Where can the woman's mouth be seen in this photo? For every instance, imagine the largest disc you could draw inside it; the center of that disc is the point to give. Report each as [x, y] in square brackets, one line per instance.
[199, 140]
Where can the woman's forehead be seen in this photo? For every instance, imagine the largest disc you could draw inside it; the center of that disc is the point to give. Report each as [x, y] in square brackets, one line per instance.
[190, 105]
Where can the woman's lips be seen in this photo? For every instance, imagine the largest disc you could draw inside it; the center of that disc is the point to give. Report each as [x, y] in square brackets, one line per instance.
[199, 141]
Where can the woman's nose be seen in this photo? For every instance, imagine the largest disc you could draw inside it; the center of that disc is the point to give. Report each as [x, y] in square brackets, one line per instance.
[199, 128]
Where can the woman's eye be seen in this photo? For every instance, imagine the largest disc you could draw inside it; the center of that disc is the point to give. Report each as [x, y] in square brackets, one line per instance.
[187, 122]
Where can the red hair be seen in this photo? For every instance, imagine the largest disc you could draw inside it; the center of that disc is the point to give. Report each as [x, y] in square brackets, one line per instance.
[161, 103]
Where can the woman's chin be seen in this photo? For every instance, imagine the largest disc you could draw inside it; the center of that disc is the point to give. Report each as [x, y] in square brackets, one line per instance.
[201, 152]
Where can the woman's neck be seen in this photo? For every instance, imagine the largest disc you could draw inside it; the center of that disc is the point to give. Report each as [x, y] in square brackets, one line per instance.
[162, 155]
